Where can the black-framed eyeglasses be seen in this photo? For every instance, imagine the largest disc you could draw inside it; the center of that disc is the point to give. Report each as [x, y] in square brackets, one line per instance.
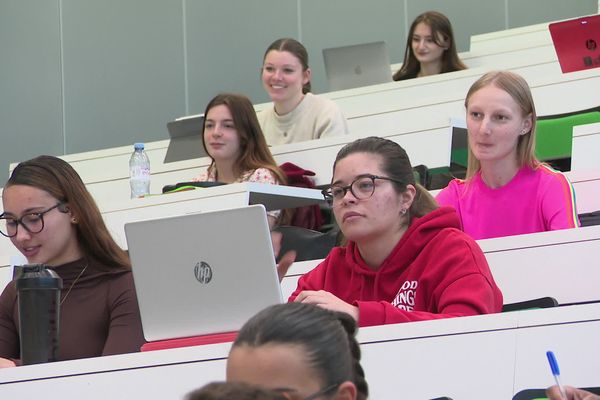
[362, 188]
[32, 222]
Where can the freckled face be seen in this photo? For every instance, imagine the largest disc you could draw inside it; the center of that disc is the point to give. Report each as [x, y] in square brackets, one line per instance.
[375, 217]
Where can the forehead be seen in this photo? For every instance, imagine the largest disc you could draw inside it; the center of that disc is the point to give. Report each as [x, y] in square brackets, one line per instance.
[281, 58]
[220, 111]
[262, 365]
[356, 164]
[21, 197]
[491, 96]
[422, 29]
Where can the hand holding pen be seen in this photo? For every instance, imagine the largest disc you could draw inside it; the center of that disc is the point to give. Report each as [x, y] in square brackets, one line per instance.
[560, 392]
[556, 373]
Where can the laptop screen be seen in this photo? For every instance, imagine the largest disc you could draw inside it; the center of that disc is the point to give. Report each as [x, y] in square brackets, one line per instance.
[357, 65]
[186, 139]
[202, 273]
[577, 43]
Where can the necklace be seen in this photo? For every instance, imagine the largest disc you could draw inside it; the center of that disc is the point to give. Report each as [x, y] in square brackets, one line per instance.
[73, 284]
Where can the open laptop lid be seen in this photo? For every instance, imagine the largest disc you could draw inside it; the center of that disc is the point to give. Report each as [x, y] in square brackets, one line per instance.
[357, 65]
[186, 139]
[577, 43]
[202, 273]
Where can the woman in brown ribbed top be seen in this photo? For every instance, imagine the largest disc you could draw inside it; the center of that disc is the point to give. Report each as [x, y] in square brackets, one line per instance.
[52, 219]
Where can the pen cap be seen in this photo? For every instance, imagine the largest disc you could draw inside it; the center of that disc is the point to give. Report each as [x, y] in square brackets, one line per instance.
[553, 363]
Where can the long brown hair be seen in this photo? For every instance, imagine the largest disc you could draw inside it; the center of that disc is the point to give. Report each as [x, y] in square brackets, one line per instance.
[395, 165]
[518, 89]
[295, 48]
[254, 152]
[59, 179]
[442, 33]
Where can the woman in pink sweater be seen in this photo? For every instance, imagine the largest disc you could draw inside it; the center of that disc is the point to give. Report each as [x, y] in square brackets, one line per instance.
[508, 191]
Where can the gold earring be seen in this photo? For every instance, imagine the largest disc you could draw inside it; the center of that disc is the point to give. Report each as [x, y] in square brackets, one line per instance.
[74, 220]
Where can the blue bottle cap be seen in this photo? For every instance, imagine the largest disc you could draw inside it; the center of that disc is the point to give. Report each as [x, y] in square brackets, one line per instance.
[138, 146]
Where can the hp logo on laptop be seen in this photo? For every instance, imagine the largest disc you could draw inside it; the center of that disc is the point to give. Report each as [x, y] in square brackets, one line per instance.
[203, 272]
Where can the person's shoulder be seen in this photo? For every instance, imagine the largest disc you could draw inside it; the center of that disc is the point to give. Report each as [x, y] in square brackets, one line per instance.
[321, 104]
[203, 177]
[265, 114]
[548, 174]
[454, 188]
[336, 258]
[260, 175]
[453, 241]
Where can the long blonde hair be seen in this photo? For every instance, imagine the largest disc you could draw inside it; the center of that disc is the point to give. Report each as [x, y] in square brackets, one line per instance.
[519, 90]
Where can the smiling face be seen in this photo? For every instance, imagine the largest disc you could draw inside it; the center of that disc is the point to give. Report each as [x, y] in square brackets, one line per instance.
[281, 367]
[220, 135]
[376, 217]
[424, 46]
[283, 77]
[495, 122]
[57, 243]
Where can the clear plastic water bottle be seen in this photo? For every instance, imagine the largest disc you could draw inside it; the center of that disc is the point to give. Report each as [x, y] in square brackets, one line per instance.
[139, 172]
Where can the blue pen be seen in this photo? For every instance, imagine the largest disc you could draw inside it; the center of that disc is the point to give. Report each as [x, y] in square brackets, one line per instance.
[556, 373]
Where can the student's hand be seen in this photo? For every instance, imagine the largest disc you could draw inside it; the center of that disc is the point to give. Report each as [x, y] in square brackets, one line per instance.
[287, 259]
[6, 363]
[276, 238]
[327, 301]
[553, 393]
[285, 263]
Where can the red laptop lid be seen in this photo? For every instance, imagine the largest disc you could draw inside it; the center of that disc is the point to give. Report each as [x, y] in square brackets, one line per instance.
[577, 43]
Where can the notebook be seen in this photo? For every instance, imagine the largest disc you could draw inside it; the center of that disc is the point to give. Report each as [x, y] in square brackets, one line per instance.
[577, 43]
[186, 139]
[357, 65]
[204, 273]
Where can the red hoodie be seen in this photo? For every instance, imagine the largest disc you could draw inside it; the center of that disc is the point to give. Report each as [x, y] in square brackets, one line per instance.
[435, 271]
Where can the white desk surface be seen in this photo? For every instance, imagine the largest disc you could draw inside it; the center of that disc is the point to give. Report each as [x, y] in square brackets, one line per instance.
[586, 147]
[489, 356]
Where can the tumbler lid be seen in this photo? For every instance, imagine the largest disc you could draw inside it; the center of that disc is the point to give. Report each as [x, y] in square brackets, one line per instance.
[37, 276]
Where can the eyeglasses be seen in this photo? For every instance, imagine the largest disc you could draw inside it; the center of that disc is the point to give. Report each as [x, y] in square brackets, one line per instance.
[362, 188]
[32, 222]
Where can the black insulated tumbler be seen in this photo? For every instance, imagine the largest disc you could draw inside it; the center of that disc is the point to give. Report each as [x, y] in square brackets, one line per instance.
[39, 313]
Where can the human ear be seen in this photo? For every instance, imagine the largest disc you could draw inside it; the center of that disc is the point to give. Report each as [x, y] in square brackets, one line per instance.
[527, 124]
[306, 76]
[408, 196]
[346, 391]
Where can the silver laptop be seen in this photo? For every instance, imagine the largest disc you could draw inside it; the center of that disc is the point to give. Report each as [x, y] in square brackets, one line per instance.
[186, 139]
[202, 273]
[358, 65]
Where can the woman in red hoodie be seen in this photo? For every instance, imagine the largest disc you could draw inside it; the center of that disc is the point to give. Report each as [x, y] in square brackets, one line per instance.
[406, 259]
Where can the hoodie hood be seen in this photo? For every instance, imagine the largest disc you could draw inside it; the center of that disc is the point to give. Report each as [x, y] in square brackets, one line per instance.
[421, 231]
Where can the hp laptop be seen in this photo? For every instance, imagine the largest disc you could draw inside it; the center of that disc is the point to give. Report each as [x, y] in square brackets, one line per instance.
[186, 139]
[201, 274]
[577, 43]
[358, 65]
